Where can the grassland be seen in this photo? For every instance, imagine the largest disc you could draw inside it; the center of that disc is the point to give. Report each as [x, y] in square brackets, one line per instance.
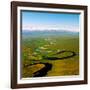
[34, 49]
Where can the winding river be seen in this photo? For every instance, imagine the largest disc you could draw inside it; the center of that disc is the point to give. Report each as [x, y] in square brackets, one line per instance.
[47, 66]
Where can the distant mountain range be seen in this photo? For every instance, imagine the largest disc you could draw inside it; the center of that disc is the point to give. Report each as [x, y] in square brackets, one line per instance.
[47, 32]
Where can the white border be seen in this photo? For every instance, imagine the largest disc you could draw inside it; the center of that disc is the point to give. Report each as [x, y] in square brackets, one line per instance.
[55, 78]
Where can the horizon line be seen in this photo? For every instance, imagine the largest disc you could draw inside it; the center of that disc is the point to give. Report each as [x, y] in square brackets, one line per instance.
[50, 30]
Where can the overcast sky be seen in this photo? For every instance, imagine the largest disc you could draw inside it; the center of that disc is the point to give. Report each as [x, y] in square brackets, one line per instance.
[50, 21]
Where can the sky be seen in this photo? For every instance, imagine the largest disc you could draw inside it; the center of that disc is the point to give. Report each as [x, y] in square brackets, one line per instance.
[50, 21]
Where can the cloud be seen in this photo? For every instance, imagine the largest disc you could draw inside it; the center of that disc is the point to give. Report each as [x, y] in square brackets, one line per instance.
[50, 27]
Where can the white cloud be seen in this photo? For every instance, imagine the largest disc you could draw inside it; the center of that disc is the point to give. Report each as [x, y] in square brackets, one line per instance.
[50, 27]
